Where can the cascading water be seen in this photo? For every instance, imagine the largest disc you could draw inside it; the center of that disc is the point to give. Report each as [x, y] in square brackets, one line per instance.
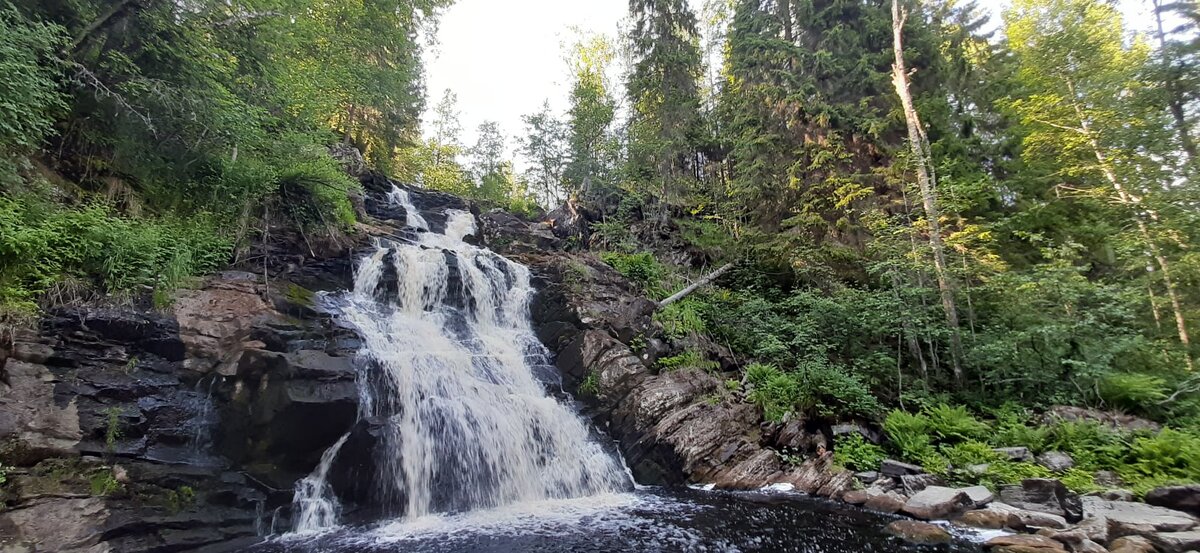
[449, 365]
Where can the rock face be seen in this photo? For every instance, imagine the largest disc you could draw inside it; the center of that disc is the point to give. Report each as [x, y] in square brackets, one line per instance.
[675, 426]
[141, 431]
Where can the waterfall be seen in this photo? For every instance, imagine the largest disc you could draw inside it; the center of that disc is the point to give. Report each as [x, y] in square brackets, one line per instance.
[314, 500]
[450, 363]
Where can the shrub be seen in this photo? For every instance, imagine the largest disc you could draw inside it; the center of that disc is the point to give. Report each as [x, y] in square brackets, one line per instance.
[1169, 456]
[31, 93]
[687, 360]
[908, 433]
[816, 388]
[969, 453]
[682, 318]
[854, 452]
[1133, 391]
[954, 423]
[642, 268]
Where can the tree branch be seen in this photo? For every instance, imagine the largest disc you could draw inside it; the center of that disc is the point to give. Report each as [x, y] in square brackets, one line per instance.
[696, 285]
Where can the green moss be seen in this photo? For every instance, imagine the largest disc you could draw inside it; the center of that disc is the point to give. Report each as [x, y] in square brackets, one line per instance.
[299, 295]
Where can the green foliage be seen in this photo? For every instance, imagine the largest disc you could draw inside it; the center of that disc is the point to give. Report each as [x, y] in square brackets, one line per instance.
[32, 96]
[682, 318]
[590, 384]
[1133, 391]
[112, 428]
[815, 387]
[689, 359]
[909, 433]
[42, 243]
[954, 423]
[103, 483]
[642, 268]
[1169, 456]
[854, 452]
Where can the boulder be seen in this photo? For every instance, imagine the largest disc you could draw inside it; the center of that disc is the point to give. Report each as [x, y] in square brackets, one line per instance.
[1176, 542]
[1015, 453]
[890, 502]
[1045, 495]
[1131, 544]
[1112, 419]
[921, 533]
[1180, 498]
[913, 483]
[1020, 543]
[979, 495]
[991, 519]
[937, 502]
[1117, 495]
[1128, 518]
[892, 467]
[1056, 461]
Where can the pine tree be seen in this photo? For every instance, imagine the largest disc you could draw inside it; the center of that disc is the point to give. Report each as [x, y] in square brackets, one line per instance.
[664, 95]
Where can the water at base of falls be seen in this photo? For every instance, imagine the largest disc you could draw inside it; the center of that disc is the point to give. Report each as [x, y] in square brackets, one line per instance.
[449, 364]
[647, 520]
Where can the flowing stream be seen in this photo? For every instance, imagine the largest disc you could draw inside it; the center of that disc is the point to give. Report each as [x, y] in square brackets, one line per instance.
[476, 453]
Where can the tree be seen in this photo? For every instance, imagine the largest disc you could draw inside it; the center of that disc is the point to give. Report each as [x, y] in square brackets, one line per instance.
[664, 95]
[593, 149]
[1079, 77]
[487, 155]
[926, 180]
[545, 148]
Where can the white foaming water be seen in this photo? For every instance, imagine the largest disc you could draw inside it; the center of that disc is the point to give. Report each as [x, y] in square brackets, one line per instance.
[314, 501]
[399, 196]
[449, 366]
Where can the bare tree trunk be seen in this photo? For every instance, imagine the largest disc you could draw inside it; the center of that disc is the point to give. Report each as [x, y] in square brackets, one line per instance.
[696, 285]
[928, 185]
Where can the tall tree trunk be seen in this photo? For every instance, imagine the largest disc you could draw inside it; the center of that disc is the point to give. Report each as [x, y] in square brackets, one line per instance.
[1175, 101]
[925, 179]
[1133, 202]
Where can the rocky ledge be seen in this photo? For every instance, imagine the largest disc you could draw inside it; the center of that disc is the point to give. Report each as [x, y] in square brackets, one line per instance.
[683, 426]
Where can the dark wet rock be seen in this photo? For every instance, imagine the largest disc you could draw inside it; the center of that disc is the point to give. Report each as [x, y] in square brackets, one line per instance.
[922, 533]
[892, 467]
[1045, 495]
[1180, 498]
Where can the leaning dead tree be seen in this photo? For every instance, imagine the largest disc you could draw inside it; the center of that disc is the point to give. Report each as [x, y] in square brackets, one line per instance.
[919, 143]
[696, 285]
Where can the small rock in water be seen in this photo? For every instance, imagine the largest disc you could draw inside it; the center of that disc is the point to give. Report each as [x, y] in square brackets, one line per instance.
[1056, 461]
[921, 533]
[890, 502]
[856, 497]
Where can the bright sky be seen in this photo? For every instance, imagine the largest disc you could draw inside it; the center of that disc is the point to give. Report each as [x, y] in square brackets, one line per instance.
[503, 58]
